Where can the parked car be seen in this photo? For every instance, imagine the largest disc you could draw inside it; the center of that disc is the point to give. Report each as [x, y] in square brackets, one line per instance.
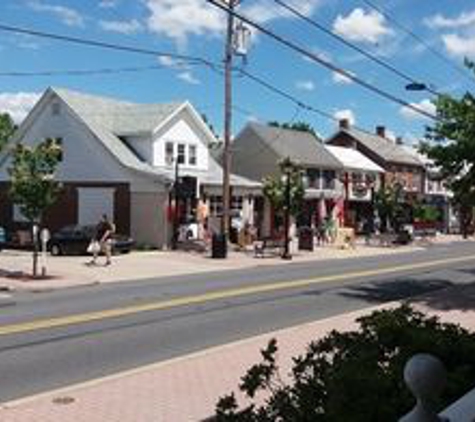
[74, 240]
[3, 238]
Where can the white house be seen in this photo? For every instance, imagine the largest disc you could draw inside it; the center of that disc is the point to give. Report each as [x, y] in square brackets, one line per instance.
[122, 159]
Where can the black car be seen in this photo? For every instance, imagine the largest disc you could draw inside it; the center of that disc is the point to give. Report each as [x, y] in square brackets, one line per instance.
[74, 240]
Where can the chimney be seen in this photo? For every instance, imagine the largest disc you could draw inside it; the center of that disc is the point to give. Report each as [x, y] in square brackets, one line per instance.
[344, 123]
[381, 131]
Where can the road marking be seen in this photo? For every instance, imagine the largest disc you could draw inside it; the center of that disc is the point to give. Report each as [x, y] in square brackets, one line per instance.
[75, 319]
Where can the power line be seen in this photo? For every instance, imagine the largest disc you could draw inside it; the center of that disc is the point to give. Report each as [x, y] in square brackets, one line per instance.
[103, 44]
[82, 72]
[325, 63]
[217, 68]
[351, 45]
[420, 40]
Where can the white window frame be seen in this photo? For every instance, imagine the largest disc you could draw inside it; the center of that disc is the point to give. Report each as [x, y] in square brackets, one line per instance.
[192, 157]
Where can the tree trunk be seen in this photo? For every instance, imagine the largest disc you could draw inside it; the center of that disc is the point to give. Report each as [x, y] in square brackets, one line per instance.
[34, 235]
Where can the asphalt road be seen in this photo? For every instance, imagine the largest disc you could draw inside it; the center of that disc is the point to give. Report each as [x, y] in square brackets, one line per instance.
[54, 339]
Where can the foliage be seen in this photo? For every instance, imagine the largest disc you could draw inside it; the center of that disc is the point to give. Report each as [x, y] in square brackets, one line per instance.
[298, 126]
[355, 376]
[452, 145]
[32, 170]
[390, 206]
[33, 187]
[7, 128]
[426, 213]
[274, 188]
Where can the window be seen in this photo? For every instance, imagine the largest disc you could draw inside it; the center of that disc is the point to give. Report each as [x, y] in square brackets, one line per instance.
[236, 203]
[328, 179]
[192, 155]
[169, 153]
[215, 205]
[181, 154]
[313, 178]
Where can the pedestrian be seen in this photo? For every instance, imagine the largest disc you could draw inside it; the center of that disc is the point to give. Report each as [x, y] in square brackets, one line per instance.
[104, 231]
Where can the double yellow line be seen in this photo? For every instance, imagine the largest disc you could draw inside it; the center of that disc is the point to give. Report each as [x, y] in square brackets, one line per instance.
[58, 322]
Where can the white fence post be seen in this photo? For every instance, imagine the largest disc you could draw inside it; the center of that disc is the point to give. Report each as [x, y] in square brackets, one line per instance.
[425, 376]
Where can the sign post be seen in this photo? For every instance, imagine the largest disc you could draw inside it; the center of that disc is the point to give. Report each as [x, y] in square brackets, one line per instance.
[45, 236]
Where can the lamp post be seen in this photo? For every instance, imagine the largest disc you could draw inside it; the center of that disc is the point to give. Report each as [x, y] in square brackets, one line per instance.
[176, 208]
[287, 173]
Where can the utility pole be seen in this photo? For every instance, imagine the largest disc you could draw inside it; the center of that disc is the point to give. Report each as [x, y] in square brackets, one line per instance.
[228, 64]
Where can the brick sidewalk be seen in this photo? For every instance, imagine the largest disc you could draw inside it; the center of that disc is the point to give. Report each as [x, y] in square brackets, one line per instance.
[184, 389]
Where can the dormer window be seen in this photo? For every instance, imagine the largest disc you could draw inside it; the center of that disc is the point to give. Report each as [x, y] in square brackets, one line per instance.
[169, 153]
[181, 154]
[55, 109]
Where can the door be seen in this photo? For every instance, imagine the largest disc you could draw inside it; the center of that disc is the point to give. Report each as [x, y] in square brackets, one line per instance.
[93, 203]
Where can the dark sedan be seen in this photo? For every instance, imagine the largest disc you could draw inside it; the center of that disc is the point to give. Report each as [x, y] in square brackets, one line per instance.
[74, 240]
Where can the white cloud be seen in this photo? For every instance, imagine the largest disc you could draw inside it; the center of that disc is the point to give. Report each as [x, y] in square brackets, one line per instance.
[361, 26]
[425, 105]
[180, 19]
[460, 45]
[18, 104]
[440, 21]
[264, 11]
[124, 27]
[66, 15]
[338, 78]
[305, 85]
[173, 63]
[108, 4]
[189, 78]
[345, 114]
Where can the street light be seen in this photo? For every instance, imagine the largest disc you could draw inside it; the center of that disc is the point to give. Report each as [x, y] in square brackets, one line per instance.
[416, 86]
[286, 179]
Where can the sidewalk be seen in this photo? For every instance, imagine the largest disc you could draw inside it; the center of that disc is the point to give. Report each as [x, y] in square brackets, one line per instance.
[187, 389]
[70, 271]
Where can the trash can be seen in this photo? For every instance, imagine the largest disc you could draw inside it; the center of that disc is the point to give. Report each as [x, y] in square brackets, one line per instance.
[306, 239]
[218, 246]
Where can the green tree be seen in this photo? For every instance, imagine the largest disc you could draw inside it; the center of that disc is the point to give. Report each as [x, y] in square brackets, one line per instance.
[7, 128]
[356, 375]
[390, 207]
[298, 126]
[33, 187]
[274, 188]
[452, 147]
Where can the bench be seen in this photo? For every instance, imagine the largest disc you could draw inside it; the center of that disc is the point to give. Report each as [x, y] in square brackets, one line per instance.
[275, 246]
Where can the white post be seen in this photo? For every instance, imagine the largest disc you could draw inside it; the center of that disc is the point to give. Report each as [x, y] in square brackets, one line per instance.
[425, 376]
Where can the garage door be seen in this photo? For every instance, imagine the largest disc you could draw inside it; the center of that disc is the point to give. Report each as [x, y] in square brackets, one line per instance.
[93, 203]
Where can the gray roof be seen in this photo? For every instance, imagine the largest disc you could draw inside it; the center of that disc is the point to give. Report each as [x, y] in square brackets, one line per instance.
[302, 147]
[110, 119]
[120, 117]
[385, 148]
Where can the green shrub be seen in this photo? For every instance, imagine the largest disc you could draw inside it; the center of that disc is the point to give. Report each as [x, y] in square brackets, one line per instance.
[355, 376]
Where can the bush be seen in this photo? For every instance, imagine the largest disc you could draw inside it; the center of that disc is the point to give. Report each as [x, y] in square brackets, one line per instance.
[355, 376]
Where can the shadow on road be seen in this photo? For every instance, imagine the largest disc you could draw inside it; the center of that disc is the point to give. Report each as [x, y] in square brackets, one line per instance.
[437, 293]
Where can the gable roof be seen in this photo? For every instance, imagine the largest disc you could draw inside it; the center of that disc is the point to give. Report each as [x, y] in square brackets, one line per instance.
[302, 147]
[383, 147]
[110, 119]
[352, 159]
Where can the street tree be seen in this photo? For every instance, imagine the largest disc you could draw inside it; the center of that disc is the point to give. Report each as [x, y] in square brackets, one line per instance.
[33, 187]
[275, 188]
[7, 128]
[298, 126]
[452, 148]
[389, 204]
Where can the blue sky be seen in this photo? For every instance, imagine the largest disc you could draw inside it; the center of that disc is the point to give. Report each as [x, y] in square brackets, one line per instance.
[193, 27]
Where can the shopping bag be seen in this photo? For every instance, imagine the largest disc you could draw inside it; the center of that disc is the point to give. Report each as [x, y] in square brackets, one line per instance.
[94, 247]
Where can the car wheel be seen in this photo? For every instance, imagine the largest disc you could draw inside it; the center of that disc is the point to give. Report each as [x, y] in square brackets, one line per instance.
[56, 250]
